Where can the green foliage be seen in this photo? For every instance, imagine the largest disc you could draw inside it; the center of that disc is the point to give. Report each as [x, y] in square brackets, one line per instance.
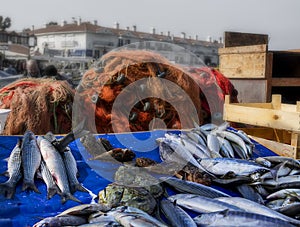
[4, 23]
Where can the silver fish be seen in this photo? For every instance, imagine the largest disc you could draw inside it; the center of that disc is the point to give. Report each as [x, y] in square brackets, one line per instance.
[256, 208]
[176, 215]
[66, 220]
[250, 192]
[85, 209]
[221, 166]
[31, 160]
[14, 171]
[238, 218]
[57, 169]
[226, 147]
[102, 219]
[200, 204]
[213, 143]
[72, 171]
[280, 159]
[283, 193]
[282, 182]
[52, 188]
[133, 217]
[192, 187]
[172, 151]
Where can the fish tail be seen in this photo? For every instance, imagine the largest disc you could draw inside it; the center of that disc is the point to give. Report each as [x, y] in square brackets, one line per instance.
[68, 196]
[30, 185]
[8, 190]
[52, 191]
[77, 187]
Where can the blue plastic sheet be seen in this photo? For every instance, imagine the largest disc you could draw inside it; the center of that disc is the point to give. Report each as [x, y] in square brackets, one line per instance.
[27, 208]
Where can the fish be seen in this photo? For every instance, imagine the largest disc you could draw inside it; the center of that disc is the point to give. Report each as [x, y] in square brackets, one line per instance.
[102, 219]
[213, 143]
[193, 187]
[291, 209]
[134, 217]
[283, 193]
[8, 188]
[233, 138]
[221, 166]
[226, 148]
[85, 209]
[72, 171]
[292, 181]
[281, 159]
[66, 220]
[55, 164]
[249, 192]
[200, 204]
[253, 207]
[176, 215]
[174, 152]
[31, 160]
[238, 218]
[52, 188]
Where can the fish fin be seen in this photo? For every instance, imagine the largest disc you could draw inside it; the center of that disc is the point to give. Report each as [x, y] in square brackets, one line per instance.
[8, 190]
[77, 187]
[30, 185]
[52, 191]
[68, 196]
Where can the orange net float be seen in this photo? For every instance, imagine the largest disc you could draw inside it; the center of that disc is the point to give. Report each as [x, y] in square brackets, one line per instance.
[112, 77]
[37, 104]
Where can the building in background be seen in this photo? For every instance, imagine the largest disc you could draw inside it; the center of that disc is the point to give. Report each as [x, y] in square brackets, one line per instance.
[89, 40]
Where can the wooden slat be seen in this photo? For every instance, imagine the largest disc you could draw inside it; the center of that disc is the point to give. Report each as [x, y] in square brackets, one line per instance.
[244, 49]
[244, 39]
[285, 82]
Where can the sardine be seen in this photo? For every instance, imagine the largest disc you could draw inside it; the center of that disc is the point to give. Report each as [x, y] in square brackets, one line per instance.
[52, 188]
[133, 217]
[8, 188]
[238, 218]
[253, 207]
[176, 215]
[72, 171]
[200, 204]
[192, 187]
[31, 160]
[56, 166]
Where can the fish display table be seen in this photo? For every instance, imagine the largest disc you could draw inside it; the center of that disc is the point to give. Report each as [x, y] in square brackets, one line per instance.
[29, 207]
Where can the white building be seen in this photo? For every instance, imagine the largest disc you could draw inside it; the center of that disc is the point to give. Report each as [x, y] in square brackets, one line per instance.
[89, 40]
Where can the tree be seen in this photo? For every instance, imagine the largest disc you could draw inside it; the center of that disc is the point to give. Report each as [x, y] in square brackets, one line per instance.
[4, 23]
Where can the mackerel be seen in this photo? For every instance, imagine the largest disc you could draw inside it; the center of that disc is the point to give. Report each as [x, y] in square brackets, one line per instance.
[52, 188]
[176, 215]
[72, 171]
[221, 166]
[238, 218]
[8, 188]
[256, 208]
[200, 204]
[134, 217]
[31, 160]
[56, 166]
[193, 187]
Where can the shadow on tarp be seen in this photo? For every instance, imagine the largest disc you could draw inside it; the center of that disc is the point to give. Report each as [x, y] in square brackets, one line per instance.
[27, 208]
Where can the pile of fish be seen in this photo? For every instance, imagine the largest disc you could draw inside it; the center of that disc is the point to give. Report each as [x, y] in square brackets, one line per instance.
[210, 206]
[37, 157]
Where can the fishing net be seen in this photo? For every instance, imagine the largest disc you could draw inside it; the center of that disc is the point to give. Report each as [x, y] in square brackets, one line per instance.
[40, 105]
[116, 71]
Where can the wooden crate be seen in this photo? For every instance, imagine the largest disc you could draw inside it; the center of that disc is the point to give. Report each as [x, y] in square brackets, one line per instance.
[246, 60]
[282, 119]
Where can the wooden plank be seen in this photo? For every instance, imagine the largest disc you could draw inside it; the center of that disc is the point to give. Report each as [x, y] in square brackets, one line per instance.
[244, 39]
[252, 65]
[262, 117]
[285, 82]
[279, 148]
[257, 90]
[244, 50]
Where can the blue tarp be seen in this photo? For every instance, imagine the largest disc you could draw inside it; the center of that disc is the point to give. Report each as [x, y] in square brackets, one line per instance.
[27, 208]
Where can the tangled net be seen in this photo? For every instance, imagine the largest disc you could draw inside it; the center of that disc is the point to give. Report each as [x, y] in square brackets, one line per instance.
[101, 85]
[40, 105]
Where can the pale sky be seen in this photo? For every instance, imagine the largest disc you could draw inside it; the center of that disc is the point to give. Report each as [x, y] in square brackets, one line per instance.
[280, 19]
